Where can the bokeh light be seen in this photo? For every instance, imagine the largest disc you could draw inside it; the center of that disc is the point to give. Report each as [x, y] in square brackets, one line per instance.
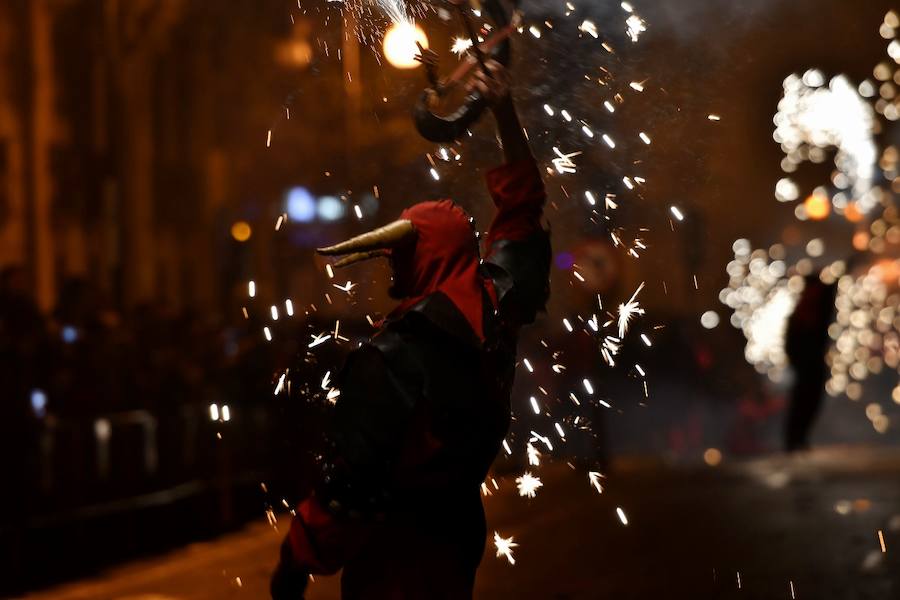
[709, 320]
[241, 231]
[814, 117]
[817, 207]
[712, 457]
[301, 206]
[330, 208]
[852, 213]
[39, 403]
[761, 296]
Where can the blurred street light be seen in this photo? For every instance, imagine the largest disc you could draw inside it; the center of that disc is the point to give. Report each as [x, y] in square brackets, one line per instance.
[400, 45]
[241, 231]
[301, 206]
[39, 403]
[294, 53]
[330, 208]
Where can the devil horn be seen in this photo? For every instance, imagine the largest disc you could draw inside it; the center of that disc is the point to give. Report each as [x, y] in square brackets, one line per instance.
[357, 257]
[390, 236]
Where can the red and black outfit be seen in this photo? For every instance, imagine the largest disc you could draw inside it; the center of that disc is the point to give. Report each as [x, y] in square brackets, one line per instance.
[424, 408]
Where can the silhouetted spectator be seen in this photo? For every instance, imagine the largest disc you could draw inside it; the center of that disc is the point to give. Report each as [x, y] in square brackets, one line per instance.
[22, 347]
[806, 343]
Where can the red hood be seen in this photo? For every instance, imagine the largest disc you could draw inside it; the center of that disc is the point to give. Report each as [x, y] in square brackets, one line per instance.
[443, 259]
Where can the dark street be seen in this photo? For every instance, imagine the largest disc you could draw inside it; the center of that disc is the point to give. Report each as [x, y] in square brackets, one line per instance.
[748, 530]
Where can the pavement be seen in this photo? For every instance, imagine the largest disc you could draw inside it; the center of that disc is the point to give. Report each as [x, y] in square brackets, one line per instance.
[781, 527]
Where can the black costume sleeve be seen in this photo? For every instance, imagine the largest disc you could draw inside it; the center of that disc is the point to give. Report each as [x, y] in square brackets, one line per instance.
[518, 247]
[368, 430]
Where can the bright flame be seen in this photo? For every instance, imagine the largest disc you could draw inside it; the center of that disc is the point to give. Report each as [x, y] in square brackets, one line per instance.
[400, 44]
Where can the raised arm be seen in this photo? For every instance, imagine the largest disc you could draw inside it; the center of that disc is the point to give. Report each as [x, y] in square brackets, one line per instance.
[517, 248]
[495, 89]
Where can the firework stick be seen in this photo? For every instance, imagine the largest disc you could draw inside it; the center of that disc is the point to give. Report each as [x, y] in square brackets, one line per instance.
[467, 24]
[466, 66]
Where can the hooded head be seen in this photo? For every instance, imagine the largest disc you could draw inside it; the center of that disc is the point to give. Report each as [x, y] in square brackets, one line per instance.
[437, 252]
[443, 258]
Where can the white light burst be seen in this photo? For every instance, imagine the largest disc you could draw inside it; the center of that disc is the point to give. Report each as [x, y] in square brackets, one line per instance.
[813, 118]
[762, 298]
[528, 485]
[628, 311]
[504, 547]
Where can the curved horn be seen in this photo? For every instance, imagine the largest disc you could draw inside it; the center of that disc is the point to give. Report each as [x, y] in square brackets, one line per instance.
[359, 257]
[389, 236]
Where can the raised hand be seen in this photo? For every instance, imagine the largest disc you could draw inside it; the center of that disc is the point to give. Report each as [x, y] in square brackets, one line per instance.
[493, 86]
[427, 57]
[430, 59]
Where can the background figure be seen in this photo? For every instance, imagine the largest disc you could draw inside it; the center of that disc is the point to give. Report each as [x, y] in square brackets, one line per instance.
[806, 344]
[601, 267]
[22, 354]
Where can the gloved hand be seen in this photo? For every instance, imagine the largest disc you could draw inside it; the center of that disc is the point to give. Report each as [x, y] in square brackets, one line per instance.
[288, 580]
